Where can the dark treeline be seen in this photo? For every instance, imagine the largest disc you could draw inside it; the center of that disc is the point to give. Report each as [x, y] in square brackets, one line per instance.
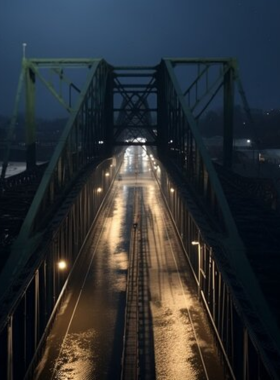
[46, 130]
[265, 129]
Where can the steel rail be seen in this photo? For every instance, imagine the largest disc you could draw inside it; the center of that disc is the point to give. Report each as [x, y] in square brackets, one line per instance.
[130, 358]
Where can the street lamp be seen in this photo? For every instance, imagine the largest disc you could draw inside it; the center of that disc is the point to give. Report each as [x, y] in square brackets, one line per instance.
[62, 265]
[61, 274]
[194, 242]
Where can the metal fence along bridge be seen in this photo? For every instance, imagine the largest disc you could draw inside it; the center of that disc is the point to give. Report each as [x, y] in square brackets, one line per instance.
[131, 253]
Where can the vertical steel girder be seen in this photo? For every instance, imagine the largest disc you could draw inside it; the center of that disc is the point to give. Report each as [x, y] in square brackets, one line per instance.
[30, 139]
[228, 116]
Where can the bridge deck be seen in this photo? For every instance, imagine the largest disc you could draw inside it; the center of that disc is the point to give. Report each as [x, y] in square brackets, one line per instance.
[87, 336]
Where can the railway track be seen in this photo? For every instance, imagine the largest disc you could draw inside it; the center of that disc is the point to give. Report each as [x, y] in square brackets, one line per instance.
[138, 359]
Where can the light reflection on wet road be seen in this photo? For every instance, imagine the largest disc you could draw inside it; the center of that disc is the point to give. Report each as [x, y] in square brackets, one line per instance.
[86, 338]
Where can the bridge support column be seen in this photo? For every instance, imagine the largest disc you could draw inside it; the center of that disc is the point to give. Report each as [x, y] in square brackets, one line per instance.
[10, 361]
[30, 135]
[228, 116]
[162, 116]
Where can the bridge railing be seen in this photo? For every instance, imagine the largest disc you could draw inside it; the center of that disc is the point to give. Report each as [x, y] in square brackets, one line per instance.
[81, 142]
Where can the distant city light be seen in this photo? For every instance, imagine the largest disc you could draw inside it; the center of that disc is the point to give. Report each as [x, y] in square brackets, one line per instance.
[248, 141]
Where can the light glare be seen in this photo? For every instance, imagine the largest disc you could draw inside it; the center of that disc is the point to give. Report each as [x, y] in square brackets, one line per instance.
[62, 264]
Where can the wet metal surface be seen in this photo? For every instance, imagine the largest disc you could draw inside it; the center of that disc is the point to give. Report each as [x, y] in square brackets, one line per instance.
[86, 338]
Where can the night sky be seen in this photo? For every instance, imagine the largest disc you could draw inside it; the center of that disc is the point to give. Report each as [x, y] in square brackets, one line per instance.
[141, 32]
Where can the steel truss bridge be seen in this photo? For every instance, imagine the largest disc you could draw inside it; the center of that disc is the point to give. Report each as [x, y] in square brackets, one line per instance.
[50, 208]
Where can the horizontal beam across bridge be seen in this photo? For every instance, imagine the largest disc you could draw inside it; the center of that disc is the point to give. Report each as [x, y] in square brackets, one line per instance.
[132, 126]
[134, 85]
[74, 62]
[135, 67]
[198, 60]
[124, 143]
[133, 75]
[146, 110]
[117, 91]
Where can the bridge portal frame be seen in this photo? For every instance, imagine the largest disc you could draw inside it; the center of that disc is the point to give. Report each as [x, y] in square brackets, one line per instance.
[83, 141]
[178, 112]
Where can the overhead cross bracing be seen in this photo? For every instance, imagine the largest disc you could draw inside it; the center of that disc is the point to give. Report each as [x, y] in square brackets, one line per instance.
[135, 106]
[154, 105]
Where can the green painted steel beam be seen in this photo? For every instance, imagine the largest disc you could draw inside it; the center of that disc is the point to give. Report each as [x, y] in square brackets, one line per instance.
[133, 75]
[51, 88]
[198, 60]
[135, 68]
[235, 250]
[27, 225]
[66, 162]
[228, 114]
[130, 125]
[147, 143]
[58, 62]
[30, 129]
[19, 256]
[117, 91]
[200, 75]
[132, 85]
[148, 110]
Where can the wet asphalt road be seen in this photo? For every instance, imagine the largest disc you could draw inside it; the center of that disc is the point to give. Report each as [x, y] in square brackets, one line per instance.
[86, 340]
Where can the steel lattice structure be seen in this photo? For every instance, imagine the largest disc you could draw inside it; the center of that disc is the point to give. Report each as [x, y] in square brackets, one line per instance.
[126, 105]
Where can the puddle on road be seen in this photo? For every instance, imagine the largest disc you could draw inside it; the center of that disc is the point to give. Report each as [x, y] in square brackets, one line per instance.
[79, 358]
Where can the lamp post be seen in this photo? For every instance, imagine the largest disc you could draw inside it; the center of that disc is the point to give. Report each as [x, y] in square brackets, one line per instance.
[172, 201]
[24, 49]
[62, 267]
[107, 175]
[194, 242]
